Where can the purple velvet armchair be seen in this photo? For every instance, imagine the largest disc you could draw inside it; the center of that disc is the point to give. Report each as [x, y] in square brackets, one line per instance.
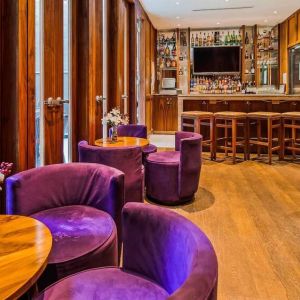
[126, 159]
[165, 257]
[172, 177]
[139, 131]
[81, 205]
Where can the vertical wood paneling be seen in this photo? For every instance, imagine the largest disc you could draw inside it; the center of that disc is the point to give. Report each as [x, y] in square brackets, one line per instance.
[53, 80]
[87, 66]
[292, 29]
[283, 29]
[31, 85]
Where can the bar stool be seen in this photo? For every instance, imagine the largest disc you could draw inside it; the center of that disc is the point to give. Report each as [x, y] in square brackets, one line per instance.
[273, 120]
[231, 121]
[291, 120]
[196, 120]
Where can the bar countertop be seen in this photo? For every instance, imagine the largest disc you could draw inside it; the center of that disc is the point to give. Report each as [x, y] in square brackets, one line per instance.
[240, 97]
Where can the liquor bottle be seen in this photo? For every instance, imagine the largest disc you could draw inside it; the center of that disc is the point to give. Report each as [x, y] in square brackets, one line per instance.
[208, 40]
[174, 37]
[227, 39]
[233, 40]
[252, 55]
[246, 55]
[252, 68]
[239, 38]
[212, 39]
[167, 50]
[197, 41]
[204, 40]
[193, 41]
[180, 72]
[200, 40]
[216, 38]
[246, 39]
[222, 39]
[174, 51]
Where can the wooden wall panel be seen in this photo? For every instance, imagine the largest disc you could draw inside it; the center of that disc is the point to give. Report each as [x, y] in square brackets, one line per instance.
[292, 30]
[86, 71]
[283, 31]
[298, 26]
[16, 84]
[53, 81]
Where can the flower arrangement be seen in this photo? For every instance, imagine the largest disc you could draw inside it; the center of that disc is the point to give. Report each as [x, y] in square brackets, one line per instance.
[115, 118]
[5, 170]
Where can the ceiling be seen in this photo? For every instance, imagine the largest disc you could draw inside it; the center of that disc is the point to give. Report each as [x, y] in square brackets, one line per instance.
[166, 14]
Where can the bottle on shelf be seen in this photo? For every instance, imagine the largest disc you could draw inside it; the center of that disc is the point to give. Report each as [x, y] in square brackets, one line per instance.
[208, 40]
[174, 37]
[197, 41]
[246, 55]
[246, 38]
[252, 68]
[239, 38]
[167, 50]
[193, 41]
[204, 39]
[212, 39]
[174, 50]
[200, 40]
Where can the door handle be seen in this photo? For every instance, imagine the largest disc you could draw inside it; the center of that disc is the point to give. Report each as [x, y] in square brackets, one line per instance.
[100, 99]
[124, 97]
[50, 102]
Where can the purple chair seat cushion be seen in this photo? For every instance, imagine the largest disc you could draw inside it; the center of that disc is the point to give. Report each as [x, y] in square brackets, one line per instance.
[149, 149]
[104, 284]
[167, 157]
[77, 230]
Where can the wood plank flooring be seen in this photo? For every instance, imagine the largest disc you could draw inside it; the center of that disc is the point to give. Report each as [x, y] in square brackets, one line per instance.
[251, 213]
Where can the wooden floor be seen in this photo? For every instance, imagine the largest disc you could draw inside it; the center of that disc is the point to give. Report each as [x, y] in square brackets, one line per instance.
[251, 213]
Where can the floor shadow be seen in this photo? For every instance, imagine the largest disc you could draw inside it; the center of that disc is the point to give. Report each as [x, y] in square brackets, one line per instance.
[204, 199]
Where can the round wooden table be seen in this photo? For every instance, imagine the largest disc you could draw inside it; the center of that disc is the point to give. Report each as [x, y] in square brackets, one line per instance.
[123, 141]
[25, 244]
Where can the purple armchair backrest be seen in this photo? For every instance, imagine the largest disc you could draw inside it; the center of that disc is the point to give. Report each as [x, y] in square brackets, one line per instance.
[170, 250]
[190, 147]
[139, 131]
[53, 186]
[126, 159]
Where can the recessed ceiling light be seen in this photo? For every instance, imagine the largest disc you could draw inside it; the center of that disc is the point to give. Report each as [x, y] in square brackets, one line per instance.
[218, 23]
[275, 12]
[266, 21]
[178, 25]
[226, 0]
[177, 2]
[177, 17]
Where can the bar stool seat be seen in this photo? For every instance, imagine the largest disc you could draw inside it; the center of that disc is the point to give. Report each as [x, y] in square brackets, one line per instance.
[291, 141]
[230, 114]
[196, 114]
[230, 120]
[264, 114]
[273, 120]
[195, 120]
[292, 114]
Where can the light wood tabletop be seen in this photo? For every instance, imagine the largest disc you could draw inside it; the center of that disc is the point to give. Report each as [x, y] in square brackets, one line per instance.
[124, 141]
[25, 244]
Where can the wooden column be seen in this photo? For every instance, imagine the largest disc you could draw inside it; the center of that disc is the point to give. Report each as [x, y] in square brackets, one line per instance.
[86, 71]
[17, 84]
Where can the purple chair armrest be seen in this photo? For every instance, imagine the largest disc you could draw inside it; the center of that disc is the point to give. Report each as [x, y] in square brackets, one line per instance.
[170, 250]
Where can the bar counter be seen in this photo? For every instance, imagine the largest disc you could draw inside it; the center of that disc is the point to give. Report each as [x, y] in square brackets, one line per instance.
[237, 102]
